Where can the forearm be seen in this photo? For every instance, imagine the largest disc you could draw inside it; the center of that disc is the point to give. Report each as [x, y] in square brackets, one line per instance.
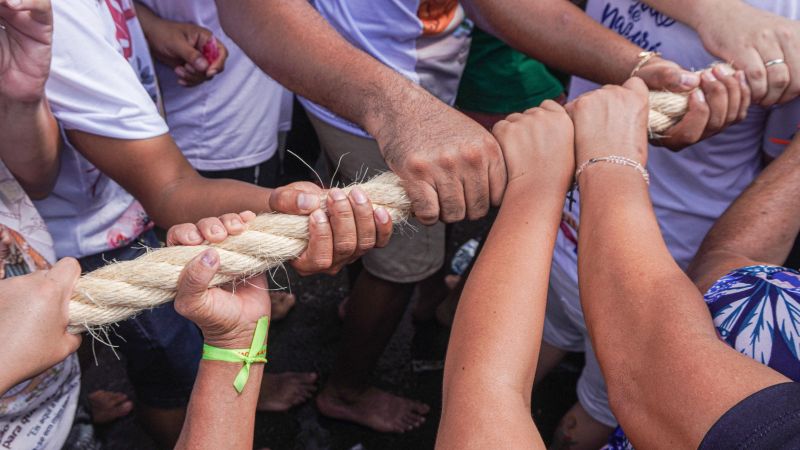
[30, 144]
[217, 416]
[147, 18]
[623, 257]
[690, 12]
[494, 345]
[762, 224]
[194, 197]
[292, 43]
[559, 34]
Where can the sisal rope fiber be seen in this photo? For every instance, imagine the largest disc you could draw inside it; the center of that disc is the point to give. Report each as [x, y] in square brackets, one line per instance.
[119, 290]
[122, 289]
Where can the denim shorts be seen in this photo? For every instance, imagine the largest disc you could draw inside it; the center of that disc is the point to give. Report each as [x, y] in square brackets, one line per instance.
[162, 348]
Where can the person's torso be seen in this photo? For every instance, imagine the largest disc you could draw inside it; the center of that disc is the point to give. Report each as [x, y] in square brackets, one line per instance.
[37, 413]
[88, 212]
[427, 41]
[690, 189]
[219, 124]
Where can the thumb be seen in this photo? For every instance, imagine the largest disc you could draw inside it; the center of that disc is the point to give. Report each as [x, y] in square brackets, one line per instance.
[290, 200]
[191, 55]
[193, 283]
[65, 274]
[668, 76]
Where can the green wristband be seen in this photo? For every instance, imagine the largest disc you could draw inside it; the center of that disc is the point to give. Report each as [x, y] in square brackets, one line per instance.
[257, 353]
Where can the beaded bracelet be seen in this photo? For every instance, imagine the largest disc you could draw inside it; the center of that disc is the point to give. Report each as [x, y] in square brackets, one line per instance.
[614, 159]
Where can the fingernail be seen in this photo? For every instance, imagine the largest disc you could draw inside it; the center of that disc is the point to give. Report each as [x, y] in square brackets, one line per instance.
[237, 222]
[382, 215]
[201, 63]
[742, 78]
[13, 3]
[216, 229]
[689, 79]
[358, 196]
[709, 76]
[180, 71]
[725, 69]
[209, 258]
[337, 195]
[305, 201]
[699, 95]
[319, 216]
[211, 73]
[195, 236]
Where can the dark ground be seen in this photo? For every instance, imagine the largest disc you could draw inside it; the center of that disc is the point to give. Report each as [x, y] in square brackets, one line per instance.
[307, 340]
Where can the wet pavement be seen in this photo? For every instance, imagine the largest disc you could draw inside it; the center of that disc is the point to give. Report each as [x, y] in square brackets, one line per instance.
[307, 340]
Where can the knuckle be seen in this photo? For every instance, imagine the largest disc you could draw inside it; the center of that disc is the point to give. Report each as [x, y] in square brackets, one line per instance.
[756, 73]
[473, 157]
[448, 162]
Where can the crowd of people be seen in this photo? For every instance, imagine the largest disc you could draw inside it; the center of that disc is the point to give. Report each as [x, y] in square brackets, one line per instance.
[136, 124]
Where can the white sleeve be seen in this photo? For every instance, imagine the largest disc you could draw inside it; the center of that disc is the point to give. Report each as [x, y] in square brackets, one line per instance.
[92, 87]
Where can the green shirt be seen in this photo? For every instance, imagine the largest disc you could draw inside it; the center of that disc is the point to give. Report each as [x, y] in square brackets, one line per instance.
[501, 80]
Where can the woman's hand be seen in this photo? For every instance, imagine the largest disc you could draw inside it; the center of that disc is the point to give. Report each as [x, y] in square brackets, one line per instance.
[538, 145]
[762, 44]
[611, 121]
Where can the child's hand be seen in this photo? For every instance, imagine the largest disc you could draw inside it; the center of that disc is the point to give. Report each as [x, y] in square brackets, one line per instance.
[538, 145]
[183, 46]
[611, 121]
[211, 229]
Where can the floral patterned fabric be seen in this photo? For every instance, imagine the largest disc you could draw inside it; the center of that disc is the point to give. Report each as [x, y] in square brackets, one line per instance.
[756, 310]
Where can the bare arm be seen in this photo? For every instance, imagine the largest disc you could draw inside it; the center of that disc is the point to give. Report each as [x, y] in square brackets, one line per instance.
[494, 346]
[171, 191]
[649, 326]
[759, 227]
[452, 166]
[559, 34]
[29, 146]
[155, 172]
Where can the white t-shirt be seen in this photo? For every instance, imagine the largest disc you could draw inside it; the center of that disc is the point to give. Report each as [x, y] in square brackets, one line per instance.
[231, 121]
[37, 413]
[690, 189]
[427, 41]
[101, 82]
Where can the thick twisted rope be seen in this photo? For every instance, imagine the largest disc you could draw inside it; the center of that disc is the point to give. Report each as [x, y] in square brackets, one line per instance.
[122, 289]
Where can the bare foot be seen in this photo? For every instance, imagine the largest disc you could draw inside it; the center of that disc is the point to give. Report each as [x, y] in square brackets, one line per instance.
[373, 408]
[282, 391]
[282, 303]
[109, 406]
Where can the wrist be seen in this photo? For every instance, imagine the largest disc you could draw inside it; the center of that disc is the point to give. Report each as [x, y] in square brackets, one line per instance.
[234, 340]
[391, 105]
[18, 110]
